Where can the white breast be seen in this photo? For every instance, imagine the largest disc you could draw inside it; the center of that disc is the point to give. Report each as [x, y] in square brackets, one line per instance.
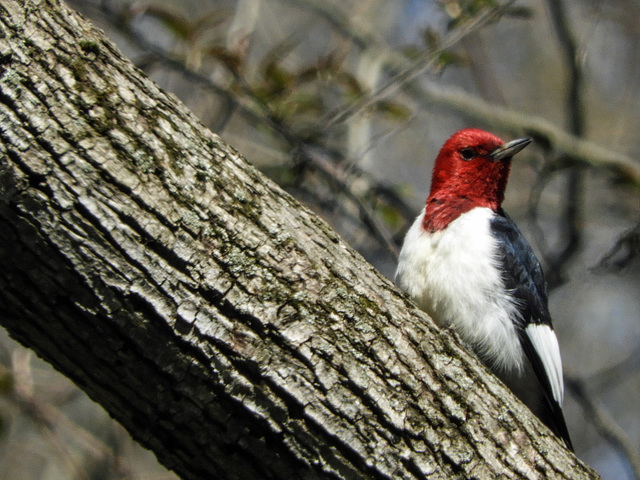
[454, 276]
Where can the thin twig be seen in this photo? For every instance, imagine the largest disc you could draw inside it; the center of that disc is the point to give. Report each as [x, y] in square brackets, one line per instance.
[426, 61]
[572, 149]
[606, 426]
[338, 176]
[571, 221]
[622, 254]
[53, 420]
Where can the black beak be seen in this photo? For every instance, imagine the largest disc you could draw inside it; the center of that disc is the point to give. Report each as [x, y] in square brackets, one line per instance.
[509, 149]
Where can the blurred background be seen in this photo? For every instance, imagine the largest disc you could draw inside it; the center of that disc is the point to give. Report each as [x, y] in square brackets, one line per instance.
[345, 104]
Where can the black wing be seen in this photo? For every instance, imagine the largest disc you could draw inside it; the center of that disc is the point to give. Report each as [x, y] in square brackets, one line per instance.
[524, 279]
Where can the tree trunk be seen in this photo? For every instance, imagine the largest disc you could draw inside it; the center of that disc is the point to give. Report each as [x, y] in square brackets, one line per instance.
[224, 325]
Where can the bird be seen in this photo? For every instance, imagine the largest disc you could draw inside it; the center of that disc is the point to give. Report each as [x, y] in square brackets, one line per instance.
[465, 262]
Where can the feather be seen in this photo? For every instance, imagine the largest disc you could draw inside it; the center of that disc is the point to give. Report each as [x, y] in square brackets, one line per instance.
[523, 277]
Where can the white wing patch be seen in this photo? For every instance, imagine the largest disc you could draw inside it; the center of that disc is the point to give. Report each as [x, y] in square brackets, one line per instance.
[545, 342]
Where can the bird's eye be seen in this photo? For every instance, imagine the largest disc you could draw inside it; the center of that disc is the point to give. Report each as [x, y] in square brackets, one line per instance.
[467, 153]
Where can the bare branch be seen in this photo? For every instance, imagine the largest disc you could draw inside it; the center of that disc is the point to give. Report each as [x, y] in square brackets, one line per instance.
[54, 422]
[623, 253]
[568, 148]
[412, 71]
[606, 426]
[571, 219]
[565, 146]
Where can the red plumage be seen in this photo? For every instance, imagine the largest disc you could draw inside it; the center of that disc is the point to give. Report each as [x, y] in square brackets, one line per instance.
[459, 184]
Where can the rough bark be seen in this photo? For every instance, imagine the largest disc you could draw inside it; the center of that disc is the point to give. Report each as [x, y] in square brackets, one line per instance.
[224, 325]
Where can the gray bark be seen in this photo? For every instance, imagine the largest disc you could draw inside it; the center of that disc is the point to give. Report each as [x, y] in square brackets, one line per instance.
[224, 325]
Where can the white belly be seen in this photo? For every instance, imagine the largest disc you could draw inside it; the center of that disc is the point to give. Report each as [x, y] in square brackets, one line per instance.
[453, 275]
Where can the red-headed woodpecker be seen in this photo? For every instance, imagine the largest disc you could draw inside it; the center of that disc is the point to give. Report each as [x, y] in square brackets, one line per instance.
[467, 265]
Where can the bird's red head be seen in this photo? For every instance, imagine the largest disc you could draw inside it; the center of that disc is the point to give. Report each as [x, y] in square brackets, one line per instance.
[470, 171]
